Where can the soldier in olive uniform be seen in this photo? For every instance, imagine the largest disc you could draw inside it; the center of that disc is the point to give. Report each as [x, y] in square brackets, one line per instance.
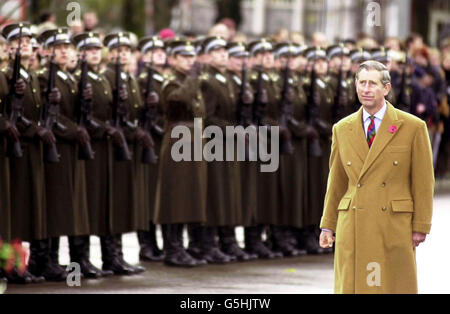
[224, 192]
[338, 81]
[237, 73]
[130, 178]
[320, 109]
[293, 167]
[64, 180]
[266, 113]
[98, 170]
[7, 131]
[152, 49]
[181, 190]
[28, 215]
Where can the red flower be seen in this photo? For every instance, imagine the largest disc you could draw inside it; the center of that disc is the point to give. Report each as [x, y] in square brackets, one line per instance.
[392, 129]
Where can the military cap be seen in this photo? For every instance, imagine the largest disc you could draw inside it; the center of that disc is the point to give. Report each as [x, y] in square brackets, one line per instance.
[284, 49]
[359, 55]
[300, 50]
[87, 40]
[314, 53]
[213, 43]
[237, 49]
[12, 31]
[170, 42]
[183, 47]
[199, 45]
[380, 54]
[115, 40]
[150, 43]
[262, 45]
[337, 51]
[34, 43]
[55, 36]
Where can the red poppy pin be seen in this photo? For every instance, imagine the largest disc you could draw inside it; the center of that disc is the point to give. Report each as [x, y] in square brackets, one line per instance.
[392, 129]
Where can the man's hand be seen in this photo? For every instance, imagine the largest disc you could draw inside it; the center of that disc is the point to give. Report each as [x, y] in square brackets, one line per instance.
[47, 136]
[326, 239]
[12, 131]
[20, 87]
[83, 136]
[417, 238]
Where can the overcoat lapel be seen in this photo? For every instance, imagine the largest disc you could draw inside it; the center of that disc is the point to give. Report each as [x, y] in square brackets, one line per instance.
[382, 137]
[356, 138]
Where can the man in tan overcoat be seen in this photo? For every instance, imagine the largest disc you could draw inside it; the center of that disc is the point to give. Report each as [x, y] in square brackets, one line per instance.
[379, 196]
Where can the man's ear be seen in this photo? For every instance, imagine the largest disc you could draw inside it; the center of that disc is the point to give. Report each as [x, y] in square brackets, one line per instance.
[387, 88]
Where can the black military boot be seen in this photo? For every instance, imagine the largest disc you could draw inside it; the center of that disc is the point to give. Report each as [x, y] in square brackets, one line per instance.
[79, 253]
[229, 245]
[111, 262]
[255, 245]
[150, 251]
[309, 241]
[174, 252]
[280, 243]
[210, 248]
[25, 277]
[195, 235]
[41, 263]
[118, 244]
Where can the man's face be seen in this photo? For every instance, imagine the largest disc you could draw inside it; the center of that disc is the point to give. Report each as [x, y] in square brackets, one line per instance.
[346, 63]
[25, 49]
[235, 64]
[268, 60]
[184, 63]
[158, 55]
[125, 55]
[93, 56]
[61, 54]
[321, 67]
[219, 58]
[371, 91]
[335, 63]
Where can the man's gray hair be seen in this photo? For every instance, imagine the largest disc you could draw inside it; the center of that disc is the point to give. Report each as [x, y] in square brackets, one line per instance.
[378, 66]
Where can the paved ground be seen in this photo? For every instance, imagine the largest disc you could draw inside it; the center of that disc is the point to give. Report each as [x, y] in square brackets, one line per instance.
[308, 274]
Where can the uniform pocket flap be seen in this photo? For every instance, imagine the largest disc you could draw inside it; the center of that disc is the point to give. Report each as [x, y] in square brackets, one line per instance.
[344, 203]
[398, 148]
[404, 206]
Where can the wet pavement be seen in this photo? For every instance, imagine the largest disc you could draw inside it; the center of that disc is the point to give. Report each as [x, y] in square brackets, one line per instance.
[306, 274]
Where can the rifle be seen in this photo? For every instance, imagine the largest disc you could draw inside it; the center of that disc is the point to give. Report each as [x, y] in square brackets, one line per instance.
[241, 117]
[314, 148]
[122, 153]
[148, 119]
[258, 106]
[285, 109]
[49, 112]
[14, 114]
[84, 110]
[338, 109]
[403, 102]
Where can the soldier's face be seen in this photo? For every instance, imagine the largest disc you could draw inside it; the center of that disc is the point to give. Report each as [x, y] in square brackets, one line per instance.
[25, 47]
[62, 54]
[268, 60]
[125, 55]
[371, 91]
[158, 55]
[93, 56]
[301, 63]
[335, 63]
[346, 63]
[321, 67]
[235, 64]
[184, 63]
[284, 60]
[219, 58]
